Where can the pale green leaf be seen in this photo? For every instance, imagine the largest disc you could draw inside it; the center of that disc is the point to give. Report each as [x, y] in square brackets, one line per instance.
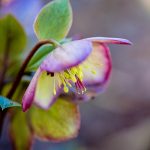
[39, 57]
[13, 41]
[6, 103]
[54, 20]
[20, 133]
[61, 122]
[12, 37]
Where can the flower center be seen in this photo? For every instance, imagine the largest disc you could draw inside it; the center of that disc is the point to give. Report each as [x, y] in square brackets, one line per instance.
[70, 79]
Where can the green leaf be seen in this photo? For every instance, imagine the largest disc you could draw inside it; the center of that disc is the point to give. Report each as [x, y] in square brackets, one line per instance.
[20, 133]
[13, 41]
[5, 103]
[54, 20]
[60, 123]
[12, 37]
[39, 57]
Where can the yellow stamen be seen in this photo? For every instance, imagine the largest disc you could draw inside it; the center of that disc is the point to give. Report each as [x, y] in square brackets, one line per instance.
[74, 70]
[58, 79]
[66, 75]
[54, 90]
[72, 77]
[62, 79]
[66, 90]
[93, 71]
[69, 84]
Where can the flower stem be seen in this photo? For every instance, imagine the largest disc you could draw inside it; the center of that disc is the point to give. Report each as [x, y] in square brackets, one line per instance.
[19, 76]
[24, 65]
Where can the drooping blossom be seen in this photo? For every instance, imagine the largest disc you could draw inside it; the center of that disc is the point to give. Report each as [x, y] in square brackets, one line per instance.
[76, 66]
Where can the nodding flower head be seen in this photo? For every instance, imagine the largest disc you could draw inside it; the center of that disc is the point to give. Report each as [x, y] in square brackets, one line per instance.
[71, 67]
[68, 79]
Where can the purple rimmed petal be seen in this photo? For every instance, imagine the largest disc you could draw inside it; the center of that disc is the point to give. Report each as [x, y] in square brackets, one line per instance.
[68, 55]
[29, 94]
[109, 40]
[44, 94]
[97, 67]
[96, 72]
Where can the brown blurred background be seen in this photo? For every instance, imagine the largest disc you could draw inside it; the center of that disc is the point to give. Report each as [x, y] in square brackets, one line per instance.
[118, 119]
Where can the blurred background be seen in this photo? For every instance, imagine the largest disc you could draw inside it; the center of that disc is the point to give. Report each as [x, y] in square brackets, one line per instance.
[120, 117]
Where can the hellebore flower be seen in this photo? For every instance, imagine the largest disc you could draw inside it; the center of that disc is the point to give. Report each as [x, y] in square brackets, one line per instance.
[72, 67]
